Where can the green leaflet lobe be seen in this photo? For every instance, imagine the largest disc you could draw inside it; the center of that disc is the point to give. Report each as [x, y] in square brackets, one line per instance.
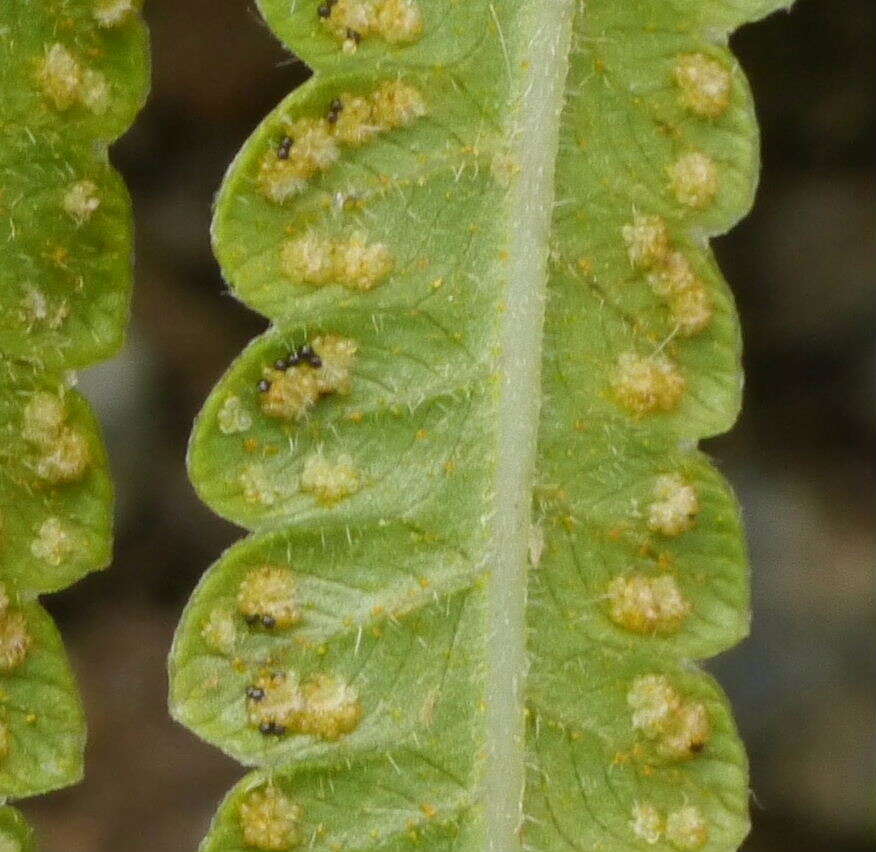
[479, 222]
[15, 834]
[72, 76]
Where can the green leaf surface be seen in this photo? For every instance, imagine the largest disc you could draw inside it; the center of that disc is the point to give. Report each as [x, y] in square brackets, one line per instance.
[73, 74]
[15, 834]
[485, 549]
[42, 714]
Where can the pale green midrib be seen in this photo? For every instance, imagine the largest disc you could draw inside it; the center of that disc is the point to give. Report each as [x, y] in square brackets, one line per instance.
[537, 62]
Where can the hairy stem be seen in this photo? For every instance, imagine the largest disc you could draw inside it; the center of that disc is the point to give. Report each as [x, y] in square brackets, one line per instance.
[541, 65]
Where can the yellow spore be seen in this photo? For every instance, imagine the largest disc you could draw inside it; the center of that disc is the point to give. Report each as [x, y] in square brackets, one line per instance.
[675, 505]
[232, 417]
[330, 481]
[80, 201]
[274, 702]
[647, 239]
[270, 820]
[292, 392]
[646, 384]
[686, 828]
[353, 123]
[693, 178]
[256, 486]
[354, 262]
[219, 630]
[679, 727]
[63, 454]
[324, 707]
[647, 823]
[310, 146]
[331, 708]
[686, 295]
[674, 275]
[351, 21]
[705, 84]
[395, 104]
[54, 542]
[398, 21]
[111, 13]
[286, 169]
[15, 640]
[44, 417]
[691, 309]
[66, 82]
[268, 594]
[645, 604]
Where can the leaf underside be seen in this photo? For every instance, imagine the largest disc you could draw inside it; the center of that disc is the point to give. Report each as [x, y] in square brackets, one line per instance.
[485, 550]
[73, 74]
[15, 833]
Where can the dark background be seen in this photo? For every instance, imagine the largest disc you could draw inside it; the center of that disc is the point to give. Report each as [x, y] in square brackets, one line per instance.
[803, 266]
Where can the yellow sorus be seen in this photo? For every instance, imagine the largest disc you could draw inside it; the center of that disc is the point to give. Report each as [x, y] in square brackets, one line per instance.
[689, 302]
[398, 20]
[270, 820]
[693, 178]
[307, 148]
[675, 505]
[44, 417]
[54, 542]
[645, 384]
[232, 417]
[673, 275]
[679, 727]
[110, 13]
[66, 460]
[80, 201]
[267, 595]
[289, 393]
[686, 828]
[352, 119]
[647, 823]
[330, 482]
[66, 82]
[337, 355]
[350, 21]
[35, 307]
[15, 640]
[63, 454]
[256, 486]
[219, 630]
[396, 104]
[323, 707]
[361, 266]
[647, 239]
[705, 84]
[653, 700]
[274, 702]
[331, 708]
[355, 119]
[647, 604]
[354, 262]
[691, 310]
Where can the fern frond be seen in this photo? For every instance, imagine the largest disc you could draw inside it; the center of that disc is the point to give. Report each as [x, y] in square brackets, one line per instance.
[485, 548]
[72, 76]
